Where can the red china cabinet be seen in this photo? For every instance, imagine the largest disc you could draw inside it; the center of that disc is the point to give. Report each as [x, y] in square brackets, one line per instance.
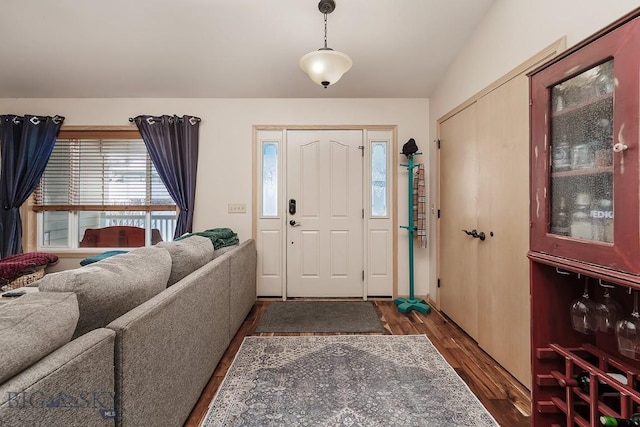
[585, 230]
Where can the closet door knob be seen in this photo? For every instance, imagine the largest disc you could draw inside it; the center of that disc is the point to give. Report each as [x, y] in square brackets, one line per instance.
[474, 233]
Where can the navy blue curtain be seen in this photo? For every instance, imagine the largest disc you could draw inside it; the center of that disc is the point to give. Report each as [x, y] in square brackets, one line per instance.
[172, 143]
[25, 145]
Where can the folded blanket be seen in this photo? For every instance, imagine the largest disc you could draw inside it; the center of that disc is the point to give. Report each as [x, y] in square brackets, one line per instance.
[220, 237]
[100, 257]
[14, 266]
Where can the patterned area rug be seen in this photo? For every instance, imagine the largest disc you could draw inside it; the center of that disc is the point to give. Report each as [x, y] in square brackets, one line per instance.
[344, 380]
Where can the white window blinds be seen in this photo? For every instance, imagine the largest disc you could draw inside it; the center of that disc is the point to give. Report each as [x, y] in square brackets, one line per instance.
[88, 174]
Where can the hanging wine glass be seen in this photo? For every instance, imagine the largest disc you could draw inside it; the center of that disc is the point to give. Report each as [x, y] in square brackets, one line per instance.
[608, 312]
[583, 312]
[628, 332]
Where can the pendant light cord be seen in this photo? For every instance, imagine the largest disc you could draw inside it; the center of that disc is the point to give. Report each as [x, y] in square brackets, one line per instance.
[325, 30]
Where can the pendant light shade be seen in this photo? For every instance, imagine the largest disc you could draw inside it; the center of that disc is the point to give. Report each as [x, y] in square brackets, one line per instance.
[325, 66]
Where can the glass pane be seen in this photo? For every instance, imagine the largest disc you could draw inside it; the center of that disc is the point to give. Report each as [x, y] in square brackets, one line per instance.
[163, 225]
[379, 179]
[55, 228]
[99, 229]
[270, 179]
[112, 172]
[582, 155]
[159, 193]
[125, 228]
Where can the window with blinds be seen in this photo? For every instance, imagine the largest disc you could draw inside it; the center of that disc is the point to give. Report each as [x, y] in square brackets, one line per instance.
[95, 180]
[84, 174]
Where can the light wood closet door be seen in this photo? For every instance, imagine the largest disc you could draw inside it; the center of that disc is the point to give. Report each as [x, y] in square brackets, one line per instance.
[502, 124]
[458, 255]
[484, 184]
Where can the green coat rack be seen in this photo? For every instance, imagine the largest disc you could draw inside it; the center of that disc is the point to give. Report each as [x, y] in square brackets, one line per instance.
[412, 303]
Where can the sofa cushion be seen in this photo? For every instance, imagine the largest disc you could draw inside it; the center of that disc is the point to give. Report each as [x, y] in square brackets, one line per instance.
[33, 326]
[109, 288]
[187, 256]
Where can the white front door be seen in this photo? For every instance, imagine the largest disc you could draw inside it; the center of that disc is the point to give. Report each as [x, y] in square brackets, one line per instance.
[324, 213]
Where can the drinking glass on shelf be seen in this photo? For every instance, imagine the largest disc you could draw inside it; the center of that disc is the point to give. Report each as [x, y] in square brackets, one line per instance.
[583, 312]
[628, 332]
[608, 312]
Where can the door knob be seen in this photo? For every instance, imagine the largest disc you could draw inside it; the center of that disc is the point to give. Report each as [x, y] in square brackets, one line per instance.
[474, 233]
[293, 223]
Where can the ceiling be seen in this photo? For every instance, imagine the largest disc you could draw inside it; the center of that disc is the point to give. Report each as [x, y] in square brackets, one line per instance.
[226, 49]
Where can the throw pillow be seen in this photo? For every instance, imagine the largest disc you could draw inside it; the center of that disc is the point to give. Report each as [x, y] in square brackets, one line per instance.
[187, 256]
[109, 288]
[33, 326]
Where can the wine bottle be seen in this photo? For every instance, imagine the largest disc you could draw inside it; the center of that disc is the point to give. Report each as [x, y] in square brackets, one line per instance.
[580, 218]
[634, 421]
[584, 380]
[560, 220]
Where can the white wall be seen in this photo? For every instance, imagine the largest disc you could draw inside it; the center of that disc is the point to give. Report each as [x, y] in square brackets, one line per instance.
[510, 33]
[224, 167]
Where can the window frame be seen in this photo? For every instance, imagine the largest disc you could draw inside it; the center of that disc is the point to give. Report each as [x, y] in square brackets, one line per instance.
[35, 211]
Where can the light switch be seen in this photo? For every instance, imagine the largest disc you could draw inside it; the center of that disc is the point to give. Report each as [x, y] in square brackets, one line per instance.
[237, 208]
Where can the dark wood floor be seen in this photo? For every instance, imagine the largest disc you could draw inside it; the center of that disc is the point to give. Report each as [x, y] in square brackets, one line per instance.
[505, 398]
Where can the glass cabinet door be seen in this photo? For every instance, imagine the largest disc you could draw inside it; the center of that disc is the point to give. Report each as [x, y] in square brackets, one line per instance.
[581, 131]
[584, 153]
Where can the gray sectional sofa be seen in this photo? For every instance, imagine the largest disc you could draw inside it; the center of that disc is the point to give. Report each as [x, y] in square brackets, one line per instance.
[129, 341]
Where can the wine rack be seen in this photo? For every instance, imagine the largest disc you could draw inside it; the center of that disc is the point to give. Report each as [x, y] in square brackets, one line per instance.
[566, 398]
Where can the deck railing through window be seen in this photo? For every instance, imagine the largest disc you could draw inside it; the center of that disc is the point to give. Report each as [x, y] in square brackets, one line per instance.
[165, 223]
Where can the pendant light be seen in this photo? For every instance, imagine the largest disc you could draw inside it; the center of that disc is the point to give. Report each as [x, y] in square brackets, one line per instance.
[325, 66]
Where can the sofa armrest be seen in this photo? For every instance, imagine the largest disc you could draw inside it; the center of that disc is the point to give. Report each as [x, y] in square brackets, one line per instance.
[243, 284]
[168, 347]
[72, 386]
